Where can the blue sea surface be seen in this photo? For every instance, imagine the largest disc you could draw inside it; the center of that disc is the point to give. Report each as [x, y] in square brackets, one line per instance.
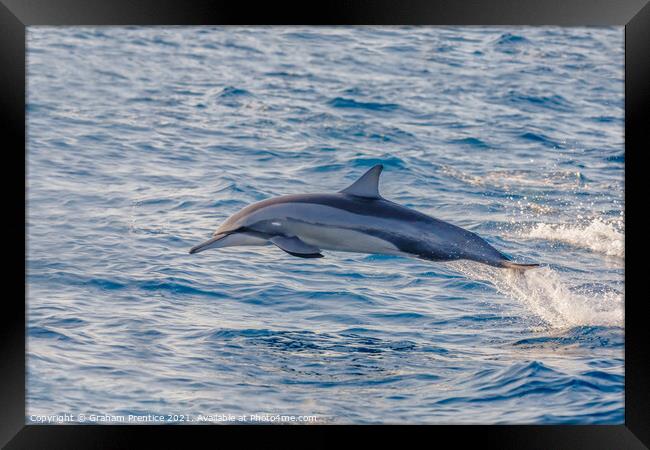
[142, 140]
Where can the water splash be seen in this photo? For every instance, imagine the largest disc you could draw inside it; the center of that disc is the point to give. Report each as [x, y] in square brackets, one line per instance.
[597, 235]
[549, 298]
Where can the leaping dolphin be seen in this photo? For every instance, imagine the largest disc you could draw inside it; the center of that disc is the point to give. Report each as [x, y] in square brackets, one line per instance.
[356, 219]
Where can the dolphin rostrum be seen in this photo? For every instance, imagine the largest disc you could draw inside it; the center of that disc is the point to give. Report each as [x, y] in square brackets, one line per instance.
[356, 219]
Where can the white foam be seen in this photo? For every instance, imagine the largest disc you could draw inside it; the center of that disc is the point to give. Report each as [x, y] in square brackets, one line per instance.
[544, 294]
[597, 235]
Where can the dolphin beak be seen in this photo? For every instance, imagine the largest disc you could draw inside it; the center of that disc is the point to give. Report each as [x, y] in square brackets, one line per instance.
[207, 244]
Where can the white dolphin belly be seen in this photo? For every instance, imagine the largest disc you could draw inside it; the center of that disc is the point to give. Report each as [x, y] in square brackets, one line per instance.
[341, 239]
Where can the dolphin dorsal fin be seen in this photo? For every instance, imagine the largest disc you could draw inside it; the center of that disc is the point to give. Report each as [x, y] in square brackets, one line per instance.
[367, 185]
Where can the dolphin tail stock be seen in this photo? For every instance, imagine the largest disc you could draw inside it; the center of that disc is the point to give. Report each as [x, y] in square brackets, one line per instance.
[518, 267]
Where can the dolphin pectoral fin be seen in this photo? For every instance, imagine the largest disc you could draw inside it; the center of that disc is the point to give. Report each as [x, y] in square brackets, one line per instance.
[296, 247]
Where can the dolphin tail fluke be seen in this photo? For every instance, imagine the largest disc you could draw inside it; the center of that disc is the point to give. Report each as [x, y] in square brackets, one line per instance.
[517, 266]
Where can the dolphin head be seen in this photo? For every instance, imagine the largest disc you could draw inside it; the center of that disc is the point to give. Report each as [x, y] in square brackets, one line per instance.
[233, 232]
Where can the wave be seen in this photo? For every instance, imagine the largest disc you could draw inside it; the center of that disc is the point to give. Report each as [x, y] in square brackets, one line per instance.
[341, 102]
[529, 101]
[598, 235]
[509, 39]
[586, 337]
[472, 142]
[546, 296]
[231, 91]
[541, 138]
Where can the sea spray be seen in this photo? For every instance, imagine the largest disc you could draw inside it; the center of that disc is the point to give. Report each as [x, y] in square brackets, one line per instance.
[549, 298]
[597, 235]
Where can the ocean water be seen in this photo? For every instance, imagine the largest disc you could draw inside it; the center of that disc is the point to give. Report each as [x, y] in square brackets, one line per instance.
[141, 141]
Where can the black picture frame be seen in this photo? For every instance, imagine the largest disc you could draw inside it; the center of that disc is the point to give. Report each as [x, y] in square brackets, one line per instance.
[16, 15]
